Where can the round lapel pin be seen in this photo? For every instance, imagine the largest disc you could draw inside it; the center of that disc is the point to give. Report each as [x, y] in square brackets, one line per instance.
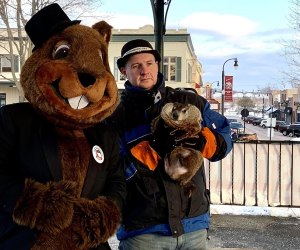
[98, 154]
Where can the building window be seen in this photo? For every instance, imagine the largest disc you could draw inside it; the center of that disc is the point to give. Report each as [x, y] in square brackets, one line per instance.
[6, 63]
[2, 99]
[117, 74]
[189, 73]
[172, 68]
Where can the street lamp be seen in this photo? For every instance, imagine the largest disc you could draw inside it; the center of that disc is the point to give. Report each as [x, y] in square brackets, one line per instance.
[263, 109]
[271, 121]
[263, 103]
[223, 79]
[218, 83]
[160, 19]
[209, 90]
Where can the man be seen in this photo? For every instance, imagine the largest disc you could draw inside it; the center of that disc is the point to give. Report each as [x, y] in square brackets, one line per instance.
[159, 214]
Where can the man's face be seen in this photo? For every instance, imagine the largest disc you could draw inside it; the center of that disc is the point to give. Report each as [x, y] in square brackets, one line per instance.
[141, 70]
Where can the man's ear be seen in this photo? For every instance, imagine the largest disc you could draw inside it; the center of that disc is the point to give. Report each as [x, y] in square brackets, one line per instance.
[123, 71]
[104, 29]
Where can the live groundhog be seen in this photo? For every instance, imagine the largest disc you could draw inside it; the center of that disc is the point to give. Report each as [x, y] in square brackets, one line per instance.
[182, 116]
[182, 162]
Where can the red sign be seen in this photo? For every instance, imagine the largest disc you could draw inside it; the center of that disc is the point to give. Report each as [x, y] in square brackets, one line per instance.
[197, 85]
[228, 88]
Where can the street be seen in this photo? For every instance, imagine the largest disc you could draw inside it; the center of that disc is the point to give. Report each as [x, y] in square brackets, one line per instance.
[254, 232]
[263, 134]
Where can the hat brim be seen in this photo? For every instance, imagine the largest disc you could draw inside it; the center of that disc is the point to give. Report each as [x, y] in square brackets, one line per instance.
[55, 30]
[122, 60]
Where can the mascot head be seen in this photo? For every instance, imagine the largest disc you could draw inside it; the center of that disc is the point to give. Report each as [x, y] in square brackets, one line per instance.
[67, 77]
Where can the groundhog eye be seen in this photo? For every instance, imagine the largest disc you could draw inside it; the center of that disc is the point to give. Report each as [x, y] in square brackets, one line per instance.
[61, 51]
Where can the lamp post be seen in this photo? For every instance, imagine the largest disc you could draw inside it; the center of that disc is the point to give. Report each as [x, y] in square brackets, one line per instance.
[208, 89]
[223, 79]
[263, 109]
[263, 103]
[217, 82]
[160, 19]
[271, 123]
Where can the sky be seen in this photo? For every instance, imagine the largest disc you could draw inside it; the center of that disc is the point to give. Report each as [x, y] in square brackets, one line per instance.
[253, 31]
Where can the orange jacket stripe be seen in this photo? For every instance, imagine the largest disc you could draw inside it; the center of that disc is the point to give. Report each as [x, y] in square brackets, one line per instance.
[211, 144]
[145, 154]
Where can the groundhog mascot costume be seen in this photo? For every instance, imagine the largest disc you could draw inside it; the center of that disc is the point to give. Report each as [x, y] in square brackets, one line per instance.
[61, 181]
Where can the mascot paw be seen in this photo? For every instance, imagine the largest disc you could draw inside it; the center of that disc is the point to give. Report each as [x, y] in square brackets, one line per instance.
[94, 221]
[46, 207]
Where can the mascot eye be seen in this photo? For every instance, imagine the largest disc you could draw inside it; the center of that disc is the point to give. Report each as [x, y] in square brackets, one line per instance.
[61, 51]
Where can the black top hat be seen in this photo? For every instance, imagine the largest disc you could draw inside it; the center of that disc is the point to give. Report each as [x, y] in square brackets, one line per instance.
[47, 22]
[135, 47]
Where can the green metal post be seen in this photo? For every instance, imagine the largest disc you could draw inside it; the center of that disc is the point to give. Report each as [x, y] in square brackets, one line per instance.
[159, 27]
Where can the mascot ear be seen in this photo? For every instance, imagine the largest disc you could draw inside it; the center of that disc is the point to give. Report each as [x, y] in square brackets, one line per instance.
[104, 29]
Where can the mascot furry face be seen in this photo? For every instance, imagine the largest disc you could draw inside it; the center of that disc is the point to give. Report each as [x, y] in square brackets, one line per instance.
[67, 77]
[62, 183]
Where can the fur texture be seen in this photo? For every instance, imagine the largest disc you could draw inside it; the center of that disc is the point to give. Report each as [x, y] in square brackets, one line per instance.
[92, 224]
[184, 121]
[184, 117]
[47, 207]
[69, 82]
[72, 64]
[182, 164]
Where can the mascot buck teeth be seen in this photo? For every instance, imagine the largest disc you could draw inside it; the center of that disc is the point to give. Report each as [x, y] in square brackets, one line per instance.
[61, 182]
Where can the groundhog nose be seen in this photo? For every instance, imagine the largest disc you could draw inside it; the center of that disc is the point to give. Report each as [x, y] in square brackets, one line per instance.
[175, 115]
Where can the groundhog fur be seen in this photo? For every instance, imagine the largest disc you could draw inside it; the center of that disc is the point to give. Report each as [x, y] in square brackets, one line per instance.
[182, 162]
[184, 117]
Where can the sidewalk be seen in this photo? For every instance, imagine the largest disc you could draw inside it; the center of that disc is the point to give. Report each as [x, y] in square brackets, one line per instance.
[250, 232]
[254, 232]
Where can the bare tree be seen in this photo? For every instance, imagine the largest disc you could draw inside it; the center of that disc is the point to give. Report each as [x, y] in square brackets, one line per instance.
[13, 39]
[292, 46]
[246, 102]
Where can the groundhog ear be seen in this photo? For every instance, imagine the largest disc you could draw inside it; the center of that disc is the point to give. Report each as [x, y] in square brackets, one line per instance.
[104, 29]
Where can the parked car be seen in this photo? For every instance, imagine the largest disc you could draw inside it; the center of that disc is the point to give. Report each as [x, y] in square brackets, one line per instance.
[279, 123]
[292, 130]
[249, 119]
[264, 123]
[256, 121]
[282, 128]
[236, 127]
[231, 119]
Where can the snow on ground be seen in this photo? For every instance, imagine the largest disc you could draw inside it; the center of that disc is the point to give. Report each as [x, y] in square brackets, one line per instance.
[254, 210]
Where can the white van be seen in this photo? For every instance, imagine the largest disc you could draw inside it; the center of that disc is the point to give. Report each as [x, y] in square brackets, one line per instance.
[265, 123]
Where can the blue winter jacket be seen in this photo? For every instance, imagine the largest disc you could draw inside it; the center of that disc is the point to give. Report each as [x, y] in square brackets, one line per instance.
[155, 203]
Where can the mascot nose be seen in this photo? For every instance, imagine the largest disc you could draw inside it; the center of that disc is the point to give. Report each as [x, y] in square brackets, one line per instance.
[86, 79]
